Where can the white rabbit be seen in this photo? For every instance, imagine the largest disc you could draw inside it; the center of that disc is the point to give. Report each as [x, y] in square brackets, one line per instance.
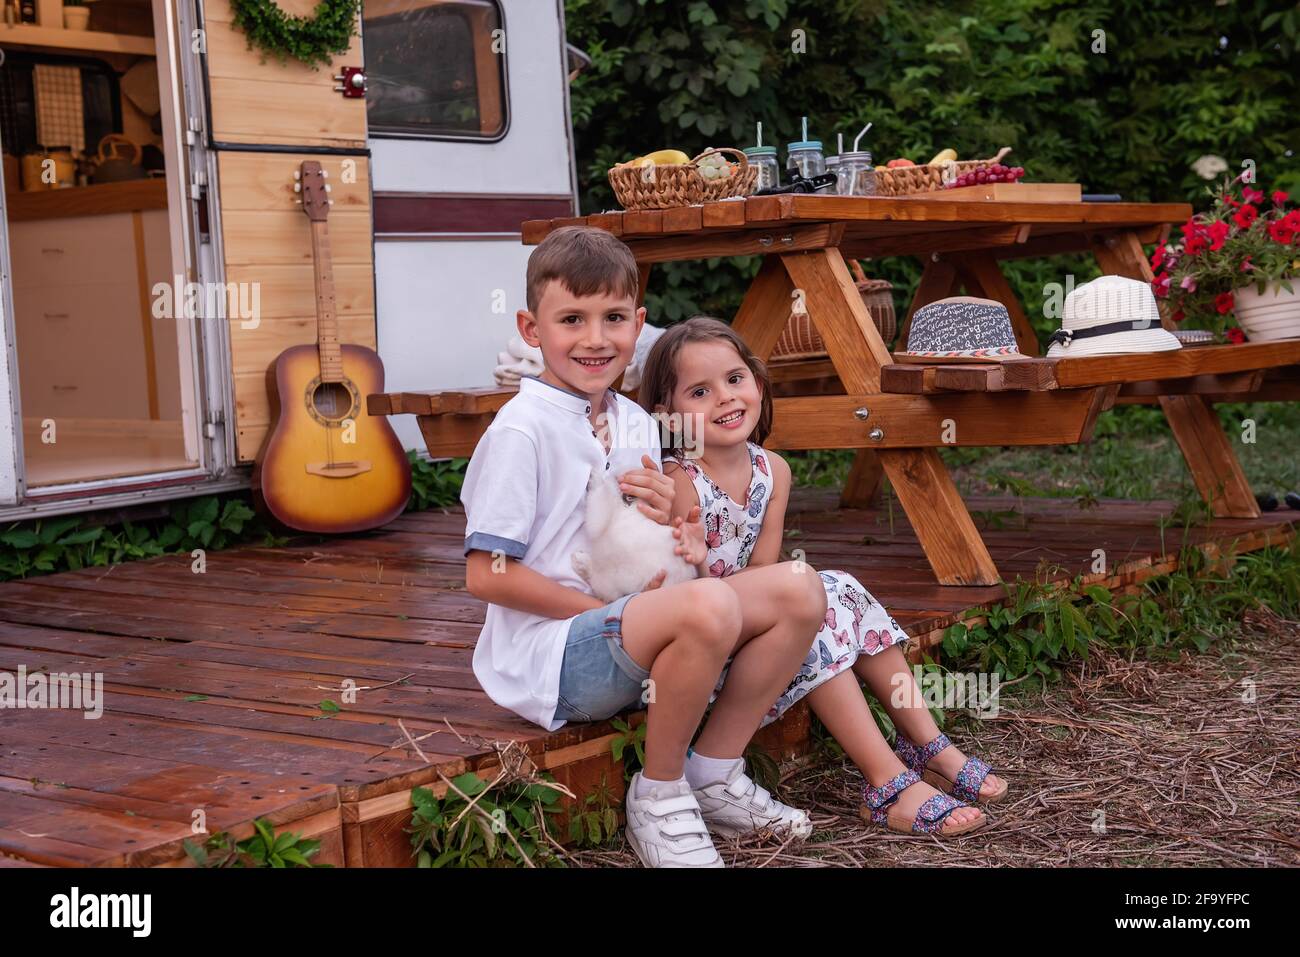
[627, 548]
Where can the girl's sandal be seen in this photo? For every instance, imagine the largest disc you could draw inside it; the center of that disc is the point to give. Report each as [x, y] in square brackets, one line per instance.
[880, 806]
[969, 779]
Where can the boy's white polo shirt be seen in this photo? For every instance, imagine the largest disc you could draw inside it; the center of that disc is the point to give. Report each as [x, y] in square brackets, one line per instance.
[525, 495]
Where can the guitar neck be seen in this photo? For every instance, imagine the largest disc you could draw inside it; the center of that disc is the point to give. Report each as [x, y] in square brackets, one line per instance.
[327, 322]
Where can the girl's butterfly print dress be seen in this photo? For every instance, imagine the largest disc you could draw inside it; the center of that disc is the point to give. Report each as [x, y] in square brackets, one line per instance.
[855, 622]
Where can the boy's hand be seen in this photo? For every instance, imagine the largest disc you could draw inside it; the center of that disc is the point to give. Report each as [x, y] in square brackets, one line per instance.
[690, 537]
[652, 487]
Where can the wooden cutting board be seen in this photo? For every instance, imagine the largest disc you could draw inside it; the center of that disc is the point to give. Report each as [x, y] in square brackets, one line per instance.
[1008, 193]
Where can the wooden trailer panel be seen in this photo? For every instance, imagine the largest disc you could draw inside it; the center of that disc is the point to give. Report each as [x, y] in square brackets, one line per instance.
[259, 100]
[267, 240]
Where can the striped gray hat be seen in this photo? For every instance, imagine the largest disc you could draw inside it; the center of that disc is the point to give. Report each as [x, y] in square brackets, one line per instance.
[961, 328]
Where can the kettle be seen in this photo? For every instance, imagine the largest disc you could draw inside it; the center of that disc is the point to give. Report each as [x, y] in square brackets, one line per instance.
[111, 163]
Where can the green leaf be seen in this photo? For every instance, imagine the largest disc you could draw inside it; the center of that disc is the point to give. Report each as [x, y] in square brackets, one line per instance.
[21, 538]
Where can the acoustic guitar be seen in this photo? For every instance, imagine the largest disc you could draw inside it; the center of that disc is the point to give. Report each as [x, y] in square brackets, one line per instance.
[328, 466]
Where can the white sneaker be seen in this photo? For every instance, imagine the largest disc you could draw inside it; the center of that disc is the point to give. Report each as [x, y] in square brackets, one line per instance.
[740, 807]
[665, 828]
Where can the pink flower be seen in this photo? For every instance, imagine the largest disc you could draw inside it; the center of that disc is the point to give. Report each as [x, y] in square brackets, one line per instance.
[1251, 195]
[1188, 283]
[1247, 265]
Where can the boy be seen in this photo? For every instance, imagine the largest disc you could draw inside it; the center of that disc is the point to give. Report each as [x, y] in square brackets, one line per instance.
[552, 652]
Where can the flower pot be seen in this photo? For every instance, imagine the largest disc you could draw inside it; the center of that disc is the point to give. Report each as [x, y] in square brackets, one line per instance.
[76, 18]
[1272, 315]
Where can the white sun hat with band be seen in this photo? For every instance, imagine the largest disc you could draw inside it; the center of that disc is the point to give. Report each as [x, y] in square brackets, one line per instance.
[1110, 316]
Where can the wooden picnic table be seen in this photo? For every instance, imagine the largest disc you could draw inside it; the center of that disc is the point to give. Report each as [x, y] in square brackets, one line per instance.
[898, 416]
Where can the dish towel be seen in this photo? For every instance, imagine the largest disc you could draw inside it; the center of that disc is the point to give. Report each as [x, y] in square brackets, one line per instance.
[521, 359]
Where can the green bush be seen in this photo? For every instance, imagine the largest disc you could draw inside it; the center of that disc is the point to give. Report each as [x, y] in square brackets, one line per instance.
[1177, 81]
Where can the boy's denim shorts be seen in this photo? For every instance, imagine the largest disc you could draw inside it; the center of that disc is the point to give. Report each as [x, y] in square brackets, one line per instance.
[598, 679]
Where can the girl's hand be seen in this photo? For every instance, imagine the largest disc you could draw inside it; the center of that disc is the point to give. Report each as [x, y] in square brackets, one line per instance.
[690, 537]
[658, 580]
[655, 490]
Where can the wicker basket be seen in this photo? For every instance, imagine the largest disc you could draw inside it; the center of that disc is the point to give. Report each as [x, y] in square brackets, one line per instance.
[662, 187]
[903, 180]
[800, 340]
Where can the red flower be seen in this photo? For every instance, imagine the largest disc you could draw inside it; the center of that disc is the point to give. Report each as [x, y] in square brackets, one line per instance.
[1252, 195]
[1179, 316]
[1235, 335]
[1244, 217]
[1218, 231]
[1223, 303]
[1280, 231]
[1161, 284]
[1158, 256]
[1279, 198]
[1292, 220]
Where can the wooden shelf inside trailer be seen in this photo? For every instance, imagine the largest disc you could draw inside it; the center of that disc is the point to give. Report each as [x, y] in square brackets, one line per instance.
[30, 34]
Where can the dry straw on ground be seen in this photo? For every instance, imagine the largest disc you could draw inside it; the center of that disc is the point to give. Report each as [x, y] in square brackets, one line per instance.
[1187, 763]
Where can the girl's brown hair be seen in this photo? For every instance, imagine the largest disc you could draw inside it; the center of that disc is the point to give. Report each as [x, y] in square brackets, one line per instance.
[659, 378]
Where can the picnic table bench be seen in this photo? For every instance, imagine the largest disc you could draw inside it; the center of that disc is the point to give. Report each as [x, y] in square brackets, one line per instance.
[898, 415]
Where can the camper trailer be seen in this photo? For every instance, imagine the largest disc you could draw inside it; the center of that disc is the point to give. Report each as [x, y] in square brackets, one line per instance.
[155, 258]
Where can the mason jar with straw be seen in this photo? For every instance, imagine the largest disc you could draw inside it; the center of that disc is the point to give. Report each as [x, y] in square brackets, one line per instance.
[764, 159]
[806, 155]
[857, 171]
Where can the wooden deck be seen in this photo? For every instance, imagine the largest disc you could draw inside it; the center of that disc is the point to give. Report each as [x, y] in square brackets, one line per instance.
[213, 681]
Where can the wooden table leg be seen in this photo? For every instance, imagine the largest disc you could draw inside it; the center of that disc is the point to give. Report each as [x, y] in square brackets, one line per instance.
[982, 276]
[862, 484]
[1210, 458]
[944, 527]
[939, 280]
[765, 310]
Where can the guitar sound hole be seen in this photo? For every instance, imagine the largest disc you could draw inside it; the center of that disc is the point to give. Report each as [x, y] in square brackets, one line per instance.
[332, 401]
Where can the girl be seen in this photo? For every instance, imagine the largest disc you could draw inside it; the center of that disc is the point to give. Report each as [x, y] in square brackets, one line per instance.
[703, 371]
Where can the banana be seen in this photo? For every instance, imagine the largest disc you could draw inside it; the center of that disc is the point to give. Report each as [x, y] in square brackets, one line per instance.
[664, 158]
[944, 156]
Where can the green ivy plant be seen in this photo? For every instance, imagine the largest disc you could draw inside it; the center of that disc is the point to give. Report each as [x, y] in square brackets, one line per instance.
[72, 541]
[264, 849]
[313, 40]
[1043, 624]
[475, 825]
[434, 484]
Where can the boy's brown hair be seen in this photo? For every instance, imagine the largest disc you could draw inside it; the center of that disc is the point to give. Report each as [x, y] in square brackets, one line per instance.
[659, 378]
[586, 260]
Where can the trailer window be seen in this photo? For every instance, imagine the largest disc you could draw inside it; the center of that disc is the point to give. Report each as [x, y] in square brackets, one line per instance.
[435, 68]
